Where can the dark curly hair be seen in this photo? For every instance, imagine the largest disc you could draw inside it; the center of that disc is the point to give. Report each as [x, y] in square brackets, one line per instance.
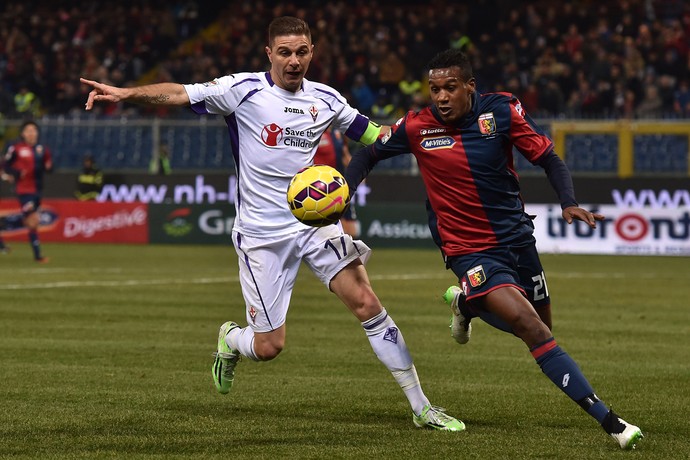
[452, 58]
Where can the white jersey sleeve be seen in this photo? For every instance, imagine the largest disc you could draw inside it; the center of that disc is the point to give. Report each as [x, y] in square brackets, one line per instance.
[220, 96]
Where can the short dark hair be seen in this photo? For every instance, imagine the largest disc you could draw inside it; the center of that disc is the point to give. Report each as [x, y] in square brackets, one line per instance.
[452, 58]
[27, 123]
[287, 25]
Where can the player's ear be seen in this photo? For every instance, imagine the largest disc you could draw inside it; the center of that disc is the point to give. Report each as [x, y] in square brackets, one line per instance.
[268, 53]
[471, 85]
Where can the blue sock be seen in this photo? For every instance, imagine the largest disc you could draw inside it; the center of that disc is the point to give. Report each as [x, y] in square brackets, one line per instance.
[566, 375]
[35, 244]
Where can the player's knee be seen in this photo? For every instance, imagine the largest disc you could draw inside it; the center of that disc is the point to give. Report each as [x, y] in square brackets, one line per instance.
[267, 351]
[530, 328]
[31, 221]
[366, 305]
[267, 347]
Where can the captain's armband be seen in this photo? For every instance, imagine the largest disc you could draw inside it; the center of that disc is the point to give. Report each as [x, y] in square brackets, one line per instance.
[371, 133]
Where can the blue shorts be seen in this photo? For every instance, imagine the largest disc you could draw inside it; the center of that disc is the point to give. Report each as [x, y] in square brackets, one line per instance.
[485, 271]
[29, 202]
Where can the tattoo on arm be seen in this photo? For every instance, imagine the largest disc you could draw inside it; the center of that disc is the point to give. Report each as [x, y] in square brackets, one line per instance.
[157, 99]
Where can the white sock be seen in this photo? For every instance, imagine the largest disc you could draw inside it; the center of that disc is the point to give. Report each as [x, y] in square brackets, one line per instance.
[389, 346]
[242, 340]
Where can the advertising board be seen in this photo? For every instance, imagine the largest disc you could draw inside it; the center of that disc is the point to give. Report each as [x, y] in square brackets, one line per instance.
[80, 222]
[191, 224]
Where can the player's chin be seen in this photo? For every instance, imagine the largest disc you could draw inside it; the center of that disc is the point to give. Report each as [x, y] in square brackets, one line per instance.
[293, 81]
[448, 117]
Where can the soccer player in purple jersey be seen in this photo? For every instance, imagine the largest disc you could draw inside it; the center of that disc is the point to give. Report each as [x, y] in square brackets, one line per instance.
[275, 120]
[464, 144]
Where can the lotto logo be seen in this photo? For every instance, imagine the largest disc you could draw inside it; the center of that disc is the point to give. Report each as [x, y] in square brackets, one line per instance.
[271, 134]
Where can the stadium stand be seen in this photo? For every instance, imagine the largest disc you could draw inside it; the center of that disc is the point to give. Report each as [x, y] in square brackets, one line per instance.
[623, 59]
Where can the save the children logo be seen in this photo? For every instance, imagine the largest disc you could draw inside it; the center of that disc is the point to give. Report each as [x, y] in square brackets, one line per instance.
[271, 134]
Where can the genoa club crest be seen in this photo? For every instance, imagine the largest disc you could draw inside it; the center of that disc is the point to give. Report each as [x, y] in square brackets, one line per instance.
[476, 276]
[487, 124]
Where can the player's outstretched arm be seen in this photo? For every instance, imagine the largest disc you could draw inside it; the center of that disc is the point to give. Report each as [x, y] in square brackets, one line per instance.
[156, 94]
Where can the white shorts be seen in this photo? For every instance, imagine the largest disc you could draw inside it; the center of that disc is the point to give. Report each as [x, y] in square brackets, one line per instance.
[269, 267]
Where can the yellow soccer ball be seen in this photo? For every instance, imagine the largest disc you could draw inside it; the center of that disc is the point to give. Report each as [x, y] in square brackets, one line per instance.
[318, 195]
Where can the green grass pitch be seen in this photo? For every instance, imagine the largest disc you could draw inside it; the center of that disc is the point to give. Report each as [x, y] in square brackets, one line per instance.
[106, 353]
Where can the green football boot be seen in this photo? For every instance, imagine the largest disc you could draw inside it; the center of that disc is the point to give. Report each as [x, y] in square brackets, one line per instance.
[433, 417]
[226, 359]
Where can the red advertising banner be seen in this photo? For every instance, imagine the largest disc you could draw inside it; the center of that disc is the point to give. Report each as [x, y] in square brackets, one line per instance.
[80, 221]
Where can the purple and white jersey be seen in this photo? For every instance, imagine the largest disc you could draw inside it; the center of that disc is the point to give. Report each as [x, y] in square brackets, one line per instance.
[273, 134]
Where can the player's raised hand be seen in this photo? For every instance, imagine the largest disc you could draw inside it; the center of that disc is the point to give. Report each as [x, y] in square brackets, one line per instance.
[102, 92]
[574, 212]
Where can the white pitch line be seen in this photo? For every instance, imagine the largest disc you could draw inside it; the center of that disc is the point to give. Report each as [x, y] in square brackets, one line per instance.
[116, 283]
[34, 271]
[443, 275]
[411, 276]
[395, 277]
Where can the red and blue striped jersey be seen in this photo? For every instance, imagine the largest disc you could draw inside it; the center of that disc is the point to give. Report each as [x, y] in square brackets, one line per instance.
[27, 164]
[472, 187]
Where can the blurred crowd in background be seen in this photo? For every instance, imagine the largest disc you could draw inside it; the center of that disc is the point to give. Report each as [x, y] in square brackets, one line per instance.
[567, 59]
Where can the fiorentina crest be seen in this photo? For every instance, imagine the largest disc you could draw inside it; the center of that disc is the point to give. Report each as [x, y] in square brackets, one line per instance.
[391, 335]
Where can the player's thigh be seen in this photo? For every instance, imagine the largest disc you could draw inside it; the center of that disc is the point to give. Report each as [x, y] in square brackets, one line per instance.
[327, 251]
[268, 269]
[513, 308]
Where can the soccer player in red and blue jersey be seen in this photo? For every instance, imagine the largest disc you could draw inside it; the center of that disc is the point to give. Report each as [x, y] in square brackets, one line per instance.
[464, 144]
[26, 162]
